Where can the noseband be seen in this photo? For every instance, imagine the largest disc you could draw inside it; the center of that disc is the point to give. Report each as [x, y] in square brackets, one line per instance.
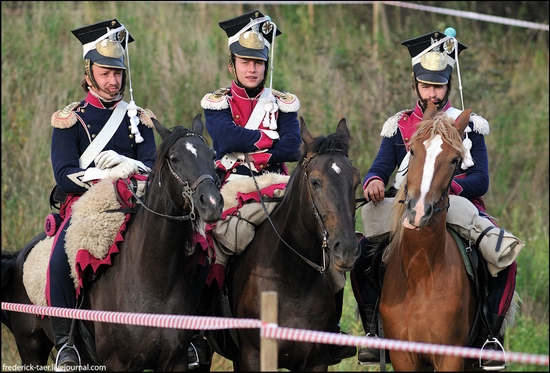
[187, 192]
[443, 195]
[324, 247]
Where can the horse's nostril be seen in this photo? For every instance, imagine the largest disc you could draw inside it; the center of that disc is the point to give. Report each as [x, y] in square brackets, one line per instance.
[429, 210]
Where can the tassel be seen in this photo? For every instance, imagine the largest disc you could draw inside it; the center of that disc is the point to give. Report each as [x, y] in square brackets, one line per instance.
[467, 161]
[273, 124]
[134, 121]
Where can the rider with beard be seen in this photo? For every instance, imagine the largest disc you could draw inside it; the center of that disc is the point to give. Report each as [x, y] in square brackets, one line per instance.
[433, 58]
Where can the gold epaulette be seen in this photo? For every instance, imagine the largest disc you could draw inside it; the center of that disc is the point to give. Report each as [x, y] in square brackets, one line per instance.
[145, 116]
[216, 100]
[286, 101]
[66, 117]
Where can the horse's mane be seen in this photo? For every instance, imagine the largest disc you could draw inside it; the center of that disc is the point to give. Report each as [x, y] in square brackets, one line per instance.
[334, 142]
[162, 154]
[162, 151]
[442, 125]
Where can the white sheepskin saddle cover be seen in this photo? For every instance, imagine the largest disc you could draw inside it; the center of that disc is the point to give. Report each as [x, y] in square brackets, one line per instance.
[242, 213]
[91, 229]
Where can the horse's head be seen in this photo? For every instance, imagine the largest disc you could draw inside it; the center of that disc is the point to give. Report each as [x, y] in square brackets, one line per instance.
[186, 175]
[328, 193]
[436, 150]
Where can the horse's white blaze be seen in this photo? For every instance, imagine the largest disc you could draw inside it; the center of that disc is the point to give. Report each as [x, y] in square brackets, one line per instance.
[191, 148]
[433, 149]
[336, 168]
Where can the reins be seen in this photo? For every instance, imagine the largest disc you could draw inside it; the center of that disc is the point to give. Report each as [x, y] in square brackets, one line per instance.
[324, 246]
[187, 191]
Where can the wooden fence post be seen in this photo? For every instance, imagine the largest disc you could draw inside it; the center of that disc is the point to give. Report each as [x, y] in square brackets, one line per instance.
[269, 361]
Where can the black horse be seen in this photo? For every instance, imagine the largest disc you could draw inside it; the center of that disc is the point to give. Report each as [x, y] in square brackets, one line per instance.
[151, 272]
[311, 229]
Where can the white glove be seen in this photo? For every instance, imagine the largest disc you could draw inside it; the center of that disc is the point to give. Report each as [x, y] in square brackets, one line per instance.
[123, 170]
[108, 159]
[273, 135]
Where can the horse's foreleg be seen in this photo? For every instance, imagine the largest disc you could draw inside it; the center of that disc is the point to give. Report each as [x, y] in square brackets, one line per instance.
[33, 343]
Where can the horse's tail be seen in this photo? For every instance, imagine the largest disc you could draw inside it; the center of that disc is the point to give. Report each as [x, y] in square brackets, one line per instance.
[9, 259]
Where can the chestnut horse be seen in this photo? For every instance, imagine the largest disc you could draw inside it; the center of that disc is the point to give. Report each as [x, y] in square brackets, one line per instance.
[427, 295]
[150, 274]
[311, 229]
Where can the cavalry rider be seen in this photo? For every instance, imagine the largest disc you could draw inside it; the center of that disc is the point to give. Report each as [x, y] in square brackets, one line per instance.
[101, 136]
[254, 131]
[433, 58]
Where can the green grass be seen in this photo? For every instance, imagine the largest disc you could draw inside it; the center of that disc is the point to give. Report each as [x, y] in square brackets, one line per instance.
[338, 65]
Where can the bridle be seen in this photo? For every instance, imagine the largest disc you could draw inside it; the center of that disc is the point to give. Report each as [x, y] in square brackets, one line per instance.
[443, 195]
[324, 247]
[187, 191]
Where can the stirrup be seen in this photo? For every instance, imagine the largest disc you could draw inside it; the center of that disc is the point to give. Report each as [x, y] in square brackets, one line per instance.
[192, 351]
[368, 363]
[499, 364]
[66, 345]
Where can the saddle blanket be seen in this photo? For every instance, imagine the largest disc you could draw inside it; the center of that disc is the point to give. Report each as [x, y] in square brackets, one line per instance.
[92, 237]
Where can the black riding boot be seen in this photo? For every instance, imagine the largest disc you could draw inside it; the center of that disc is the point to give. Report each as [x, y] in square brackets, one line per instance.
[339, 352]
[199, 351]
[67, 354]
[491, 340]
[369, 355]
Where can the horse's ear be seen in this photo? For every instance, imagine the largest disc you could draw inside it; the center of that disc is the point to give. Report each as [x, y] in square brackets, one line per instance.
[462, 121]
[163, 131]
[343, 127]
[306, 136]
[198, 126]
[431, 110]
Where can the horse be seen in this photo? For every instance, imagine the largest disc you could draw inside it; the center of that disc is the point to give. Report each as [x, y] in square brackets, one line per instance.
[312, 228]
[426, 294]
[150, 274]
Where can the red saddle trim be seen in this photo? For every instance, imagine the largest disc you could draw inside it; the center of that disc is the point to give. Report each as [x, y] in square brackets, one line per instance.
[83, 258]
[253, 196]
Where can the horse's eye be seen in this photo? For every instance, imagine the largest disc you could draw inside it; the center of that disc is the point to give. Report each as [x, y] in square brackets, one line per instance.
[315, 184]
[174, 159]
[411, 151]
[455, 161]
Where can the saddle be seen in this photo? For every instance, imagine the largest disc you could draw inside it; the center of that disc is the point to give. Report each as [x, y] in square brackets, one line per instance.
[97, 226]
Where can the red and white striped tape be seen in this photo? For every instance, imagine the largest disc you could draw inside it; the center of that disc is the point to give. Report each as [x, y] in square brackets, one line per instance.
[402, 4]
[267, 330]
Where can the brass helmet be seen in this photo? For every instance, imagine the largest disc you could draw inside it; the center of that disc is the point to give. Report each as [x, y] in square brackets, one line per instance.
[104, 44]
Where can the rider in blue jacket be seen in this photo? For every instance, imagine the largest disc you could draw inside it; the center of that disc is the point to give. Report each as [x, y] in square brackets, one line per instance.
[433, 59]
[98, 137]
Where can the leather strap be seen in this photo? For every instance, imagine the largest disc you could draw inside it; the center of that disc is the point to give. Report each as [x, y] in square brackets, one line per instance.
[259, 113]
[104, 135]
[478, 241]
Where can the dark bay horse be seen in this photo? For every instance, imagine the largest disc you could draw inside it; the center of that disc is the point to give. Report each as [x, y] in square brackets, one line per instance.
[150, 274]
[311, 229]
[427, 295]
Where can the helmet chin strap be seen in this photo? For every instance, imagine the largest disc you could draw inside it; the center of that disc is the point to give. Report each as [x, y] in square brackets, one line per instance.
[118, 97]
[424, 103]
